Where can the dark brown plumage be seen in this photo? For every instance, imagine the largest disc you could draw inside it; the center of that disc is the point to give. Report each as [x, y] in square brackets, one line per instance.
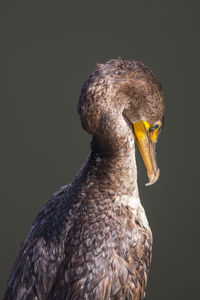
[92, 239]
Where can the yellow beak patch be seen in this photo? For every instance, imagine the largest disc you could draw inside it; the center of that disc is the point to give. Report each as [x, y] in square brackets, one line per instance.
[146, 136]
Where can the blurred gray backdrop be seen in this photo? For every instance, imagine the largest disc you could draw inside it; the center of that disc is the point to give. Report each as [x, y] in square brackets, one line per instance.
[47, 51]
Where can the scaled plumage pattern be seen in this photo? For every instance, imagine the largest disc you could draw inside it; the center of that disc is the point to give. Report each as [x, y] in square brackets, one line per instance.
[92, 239]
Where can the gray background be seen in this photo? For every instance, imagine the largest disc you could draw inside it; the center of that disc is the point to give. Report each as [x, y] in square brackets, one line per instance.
[47, 50]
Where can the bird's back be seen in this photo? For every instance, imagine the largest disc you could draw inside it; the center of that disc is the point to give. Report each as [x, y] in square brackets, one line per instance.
[78, 249]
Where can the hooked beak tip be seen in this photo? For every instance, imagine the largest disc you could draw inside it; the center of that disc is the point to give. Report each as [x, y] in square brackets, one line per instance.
[153, 179]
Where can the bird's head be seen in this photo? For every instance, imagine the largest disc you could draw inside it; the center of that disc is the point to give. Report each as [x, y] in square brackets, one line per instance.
[122, 91]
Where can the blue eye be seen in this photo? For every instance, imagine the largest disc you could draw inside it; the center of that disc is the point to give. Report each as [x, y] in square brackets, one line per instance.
[154, 127]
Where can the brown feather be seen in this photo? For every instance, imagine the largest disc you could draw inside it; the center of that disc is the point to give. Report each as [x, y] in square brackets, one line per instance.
[92, 239]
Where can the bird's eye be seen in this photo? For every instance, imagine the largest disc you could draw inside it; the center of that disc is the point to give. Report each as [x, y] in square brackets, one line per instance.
[154, 127]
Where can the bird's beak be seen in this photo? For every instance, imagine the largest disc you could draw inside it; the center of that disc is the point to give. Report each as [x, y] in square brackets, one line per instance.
[146, 140]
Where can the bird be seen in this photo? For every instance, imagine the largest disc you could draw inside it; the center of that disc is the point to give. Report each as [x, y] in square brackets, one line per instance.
[92, 239]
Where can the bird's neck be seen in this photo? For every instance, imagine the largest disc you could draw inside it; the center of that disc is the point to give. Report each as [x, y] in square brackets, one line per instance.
[115, 174]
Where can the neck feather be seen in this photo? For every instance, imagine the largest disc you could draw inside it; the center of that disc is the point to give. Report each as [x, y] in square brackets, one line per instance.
[115, 173]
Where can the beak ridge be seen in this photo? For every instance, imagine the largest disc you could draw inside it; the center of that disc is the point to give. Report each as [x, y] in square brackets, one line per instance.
[147, 149]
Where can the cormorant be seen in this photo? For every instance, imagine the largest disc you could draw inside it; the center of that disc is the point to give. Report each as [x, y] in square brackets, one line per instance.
[92, 239]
